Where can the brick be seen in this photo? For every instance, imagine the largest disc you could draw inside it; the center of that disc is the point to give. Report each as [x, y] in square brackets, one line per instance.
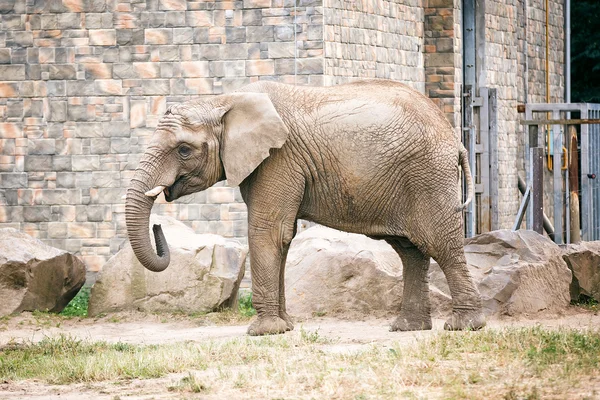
[100, 146]
[194, 69]
[199, 18]
[38, 163]
[175, 19]
[13, 180]
[85, 163]
[180, 5]
[62, 71]
[158, 36]
[12, 72]
[41, 146]
[257, 3]
[108, 86]
[36, 214]
[228, 68]
[282, 50]
[260, 33]
[183, 35]
[260, 67]
[235, 34]
[103, 37]
[81, 230]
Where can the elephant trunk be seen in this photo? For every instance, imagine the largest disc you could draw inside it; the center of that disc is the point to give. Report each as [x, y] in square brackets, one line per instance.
[137, 216]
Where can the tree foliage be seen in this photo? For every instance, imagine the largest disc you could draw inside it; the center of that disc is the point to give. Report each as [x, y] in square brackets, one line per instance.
[585, 51]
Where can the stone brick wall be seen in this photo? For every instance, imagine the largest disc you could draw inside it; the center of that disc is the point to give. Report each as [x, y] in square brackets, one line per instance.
[505, 64]
[374, 39]
[84, 82]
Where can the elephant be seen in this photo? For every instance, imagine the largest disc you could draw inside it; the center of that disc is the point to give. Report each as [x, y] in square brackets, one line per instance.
[373, 157]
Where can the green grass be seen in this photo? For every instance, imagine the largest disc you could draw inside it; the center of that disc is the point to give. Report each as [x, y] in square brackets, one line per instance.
[524, 363]
[245, 304]
[78, 306]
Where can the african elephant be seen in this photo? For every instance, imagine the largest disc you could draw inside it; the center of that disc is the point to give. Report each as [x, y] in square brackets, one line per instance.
[372, 157]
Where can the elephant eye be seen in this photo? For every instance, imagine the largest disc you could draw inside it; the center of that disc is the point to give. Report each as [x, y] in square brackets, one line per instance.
[184, 150]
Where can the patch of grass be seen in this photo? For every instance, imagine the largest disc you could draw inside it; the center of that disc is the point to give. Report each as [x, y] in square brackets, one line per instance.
[525, 363]
[78, 306]
[245, 305]
[189, 383]
[589, 303]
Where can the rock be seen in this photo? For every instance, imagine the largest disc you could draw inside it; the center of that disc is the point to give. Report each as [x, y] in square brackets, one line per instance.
[518, 272]
[204, 275]
[584, 261]
[35, 276]
[333, 272]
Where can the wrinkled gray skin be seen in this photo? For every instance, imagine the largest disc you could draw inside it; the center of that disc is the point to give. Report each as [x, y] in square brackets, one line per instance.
[371, 157]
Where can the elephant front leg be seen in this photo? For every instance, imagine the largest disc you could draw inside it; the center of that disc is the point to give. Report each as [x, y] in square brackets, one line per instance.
[268, 250]
[415, 312]
[282, 310]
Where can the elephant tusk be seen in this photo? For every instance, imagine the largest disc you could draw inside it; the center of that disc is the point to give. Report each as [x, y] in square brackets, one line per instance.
[155, 192]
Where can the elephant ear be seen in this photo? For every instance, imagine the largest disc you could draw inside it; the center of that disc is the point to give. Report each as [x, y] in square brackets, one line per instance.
[252, 126]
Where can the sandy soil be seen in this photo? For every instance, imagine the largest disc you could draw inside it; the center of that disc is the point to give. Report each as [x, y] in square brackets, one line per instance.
[350, 335]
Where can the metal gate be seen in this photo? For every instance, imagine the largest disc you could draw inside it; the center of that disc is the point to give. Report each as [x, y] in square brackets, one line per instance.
[590, 163]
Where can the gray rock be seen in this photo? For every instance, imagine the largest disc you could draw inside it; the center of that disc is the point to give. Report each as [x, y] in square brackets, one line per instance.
[328, 271]
[34, 276]
[518, 272]
[334, 272]
[204, 275]
[584, 261]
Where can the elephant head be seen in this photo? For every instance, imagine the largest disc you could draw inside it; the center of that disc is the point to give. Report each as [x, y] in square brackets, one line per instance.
[197, 144]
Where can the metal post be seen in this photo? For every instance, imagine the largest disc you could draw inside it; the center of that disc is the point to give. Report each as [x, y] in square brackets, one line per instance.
[494, 185]
[468, 140]
[573, 186]
[586, 188]
[484, 160]
[558, 180]
[536, 179]
[532, 139]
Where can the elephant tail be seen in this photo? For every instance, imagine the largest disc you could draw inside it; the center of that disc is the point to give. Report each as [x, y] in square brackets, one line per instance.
[463, 158]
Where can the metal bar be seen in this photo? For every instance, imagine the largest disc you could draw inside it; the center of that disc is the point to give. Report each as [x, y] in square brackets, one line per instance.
[468, 15]
[558, 180]
[480, 42]
[574, 228]
[536, 179]
[484, 159]
[494, 183]
[539, 107]
[522, 208]
[547, 224]
[586, 192]
[468, 140]
[559, 121]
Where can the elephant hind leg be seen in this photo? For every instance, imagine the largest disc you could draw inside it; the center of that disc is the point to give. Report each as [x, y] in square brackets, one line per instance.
[467, 313]
[415, 312]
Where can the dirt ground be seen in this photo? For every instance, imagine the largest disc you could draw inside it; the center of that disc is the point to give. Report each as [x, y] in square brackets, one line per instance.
[349, 335]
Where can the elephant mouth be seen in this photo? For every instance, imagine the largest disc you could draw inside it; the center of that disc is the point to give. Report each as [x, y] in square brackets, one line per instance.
[173, 192]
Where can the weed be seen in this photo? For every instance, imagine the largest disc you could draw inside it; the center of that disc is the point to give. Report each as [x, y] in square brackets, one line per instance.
[78, 306]
[586, 302]
[245, 304]
[189, 383]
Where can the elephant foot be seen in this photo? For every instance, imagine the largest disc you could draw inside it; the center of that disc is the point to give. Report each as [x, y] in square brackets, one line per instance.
[288, 320]
[465, 320]
[404, 324]
[267, 326]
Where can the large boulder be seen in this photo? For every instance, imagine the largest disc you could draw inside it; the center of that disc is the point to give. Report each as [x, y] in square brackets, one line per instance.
[584, 261]
[329, 271]
[517, 272]
[334, 272]
[204, 275]
[35, 276]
